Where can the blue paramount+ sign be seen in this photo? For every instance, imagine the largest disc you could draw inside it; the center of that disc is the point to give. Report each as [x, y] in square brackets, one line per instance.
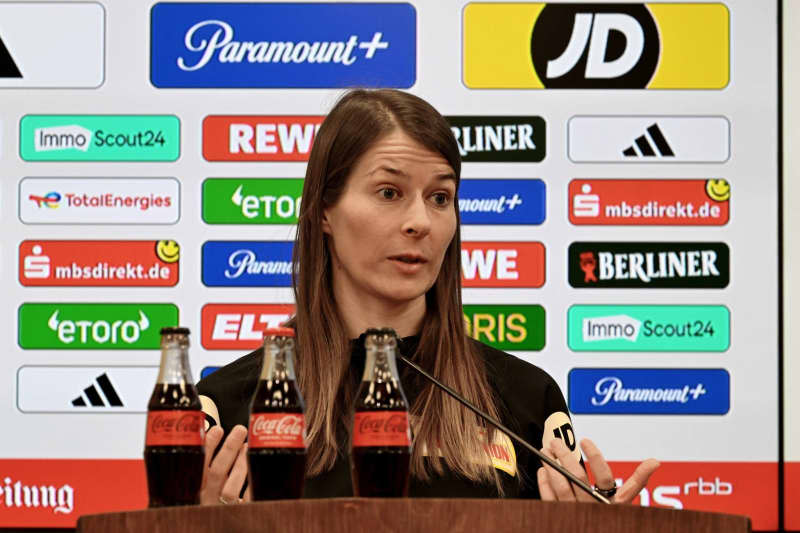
[247, 263]
[283, 45]
[501, 201]
[650, 391]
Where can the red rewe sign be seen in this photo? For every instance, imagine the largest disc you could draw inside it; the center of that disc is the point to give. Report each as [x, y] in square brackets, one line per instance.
[259, 138]
[747, 488]
[502, 264]
[99, 263]
[646, 202]
[55, 492]
[240, 326]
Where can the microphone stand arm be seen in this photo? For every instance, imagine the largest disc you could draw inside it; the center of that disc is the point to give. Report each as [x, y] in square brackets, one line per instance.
[563, 471]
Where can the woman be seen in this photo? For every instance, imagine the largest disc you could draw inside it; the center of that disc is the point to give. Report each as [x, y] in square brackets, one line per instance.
[378, 244]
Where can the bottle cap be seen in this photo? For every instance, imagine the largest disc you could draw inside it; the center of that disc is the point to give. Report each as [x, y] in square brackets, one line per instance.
[174, 331]
[279, 332]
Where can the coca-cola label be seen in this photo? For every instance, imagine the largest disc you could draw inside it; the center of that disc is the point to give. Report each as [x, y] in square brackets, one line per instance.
[175, 428]
[381, 428]
[277, 430]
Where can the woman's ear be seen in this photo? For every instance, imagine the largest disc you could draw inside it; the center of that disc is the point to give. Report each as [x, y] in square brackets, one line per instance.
[326, 225]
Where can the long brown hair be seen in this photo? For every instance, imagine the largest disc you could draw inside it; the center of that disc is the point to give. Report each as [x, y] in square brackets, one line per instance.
[323, 351]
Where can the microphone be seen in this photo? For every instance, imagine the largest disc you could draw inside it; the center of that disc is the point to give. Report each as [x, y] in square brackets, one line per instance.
[496, 423]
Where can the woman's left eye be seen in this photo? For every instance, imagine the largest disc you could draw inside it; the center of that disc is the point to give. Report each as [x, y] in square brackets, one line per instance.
[441, 198]
[388, 194]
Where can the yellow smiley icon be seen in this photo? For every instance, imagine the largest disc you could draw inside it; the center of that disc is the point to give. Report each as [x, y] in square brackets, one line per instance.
[168, 251]
[718, 190]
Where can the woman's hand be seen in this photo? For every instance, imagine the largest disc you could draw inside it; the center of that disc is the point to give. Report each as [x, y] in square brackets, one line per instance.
[225, 474]
[554, 486]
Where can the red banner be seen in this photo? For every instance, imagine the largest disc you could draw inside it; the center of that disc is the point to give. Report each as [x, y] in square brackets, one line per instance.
[55, 492]
[736, 488]
[259, 138]
[98, 263]
[240, 326]
[649, 202]
[791, 496]
[502, 264]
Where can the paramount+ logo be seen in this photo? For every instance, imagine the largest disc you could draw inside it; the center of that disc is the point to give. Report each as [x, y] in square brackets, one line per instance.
[596, 46]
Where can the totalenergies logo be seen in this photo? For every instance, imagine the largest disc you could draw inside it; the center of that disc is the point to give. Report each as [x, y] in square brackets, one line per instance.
[50, 200]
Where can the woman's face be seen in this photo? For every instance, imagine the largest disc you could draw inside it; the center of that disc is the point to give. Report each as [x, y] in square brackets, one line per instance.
[393, 222]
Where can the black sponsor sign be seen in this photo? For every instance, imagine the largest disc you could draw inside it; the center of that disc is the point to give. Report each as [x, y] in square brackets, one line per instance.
[485, 139]
[652, 265]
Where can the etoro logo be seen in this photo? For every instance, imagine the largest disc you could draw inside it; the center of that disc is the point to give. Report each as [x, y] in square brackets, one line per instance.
[649, 328]
[283, 45]
[491, 139]
[649, 202]
[502, 264]
[99, 138]
[99, 263]
[649, 264]
[93, 325]
[507, 327]
[240, 326]
[596, 46]
[252, 200]
[259, 138]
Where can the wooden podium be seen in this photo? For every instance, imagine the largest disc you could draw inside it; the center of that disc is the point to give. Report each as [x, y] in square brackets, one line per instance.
[350, 515]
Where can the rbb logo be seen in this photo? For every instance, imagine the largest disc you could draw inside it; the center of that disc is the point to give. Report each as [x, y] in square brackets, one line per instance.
[595, 46]
[240, 326]
[502, 264]
[667, 495]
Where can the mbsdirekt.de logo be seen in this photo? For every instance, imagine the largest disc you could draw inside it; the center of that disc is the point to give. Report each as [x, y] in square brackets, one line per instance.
[247, 263]
[80, 326]
[649, 328]
[501, 201]
[99, 138]
[283, 45]
[251, 200]
[664, 391]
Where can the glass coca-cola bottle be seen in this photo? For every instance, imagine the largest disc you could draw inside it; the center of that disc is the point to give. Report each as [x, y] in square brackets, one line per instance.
[276, 450]
[381, 437]
[173, 450]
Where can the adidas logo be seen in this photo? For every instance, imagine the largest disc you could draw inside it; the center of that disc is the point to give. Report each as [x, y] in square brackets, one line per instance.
[8, 68]
[647, 144]
[93, 396]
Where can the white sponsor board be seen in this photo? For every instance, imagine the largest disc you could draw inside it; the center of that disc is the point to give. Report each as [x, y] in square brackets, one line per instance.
[85, 389]
[648, 139]
[52, 44]
[99, 200]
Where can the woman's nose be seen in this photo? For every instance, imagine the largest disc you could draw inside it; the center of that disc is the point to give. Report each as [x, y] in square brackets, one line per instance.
[418, 220]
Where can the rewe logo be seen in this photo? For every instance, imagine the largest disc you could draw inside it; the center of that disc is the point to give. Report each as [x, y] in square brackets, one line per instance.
[62, 138]
[99, 331]
[259, 138]
[502, 264]
[609, 46]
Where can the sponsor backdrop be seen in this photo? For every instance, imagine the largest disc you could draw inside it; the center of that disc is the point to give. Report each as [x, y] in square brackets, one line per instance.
[619, 206]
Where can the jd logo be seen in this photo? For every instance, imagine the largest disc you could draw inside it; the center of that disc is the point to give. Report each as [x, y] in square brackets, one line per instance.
[595, 46]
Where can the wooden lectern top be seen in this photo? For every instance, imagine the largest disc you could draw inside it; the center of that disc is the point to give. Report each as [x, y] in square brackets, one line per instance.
[407, 515]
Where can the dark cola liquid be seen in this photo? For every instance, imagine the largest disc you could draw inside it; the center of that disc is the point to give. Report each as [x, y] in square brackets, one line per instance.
[276, 473]
[380, 472]
[174, 473]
